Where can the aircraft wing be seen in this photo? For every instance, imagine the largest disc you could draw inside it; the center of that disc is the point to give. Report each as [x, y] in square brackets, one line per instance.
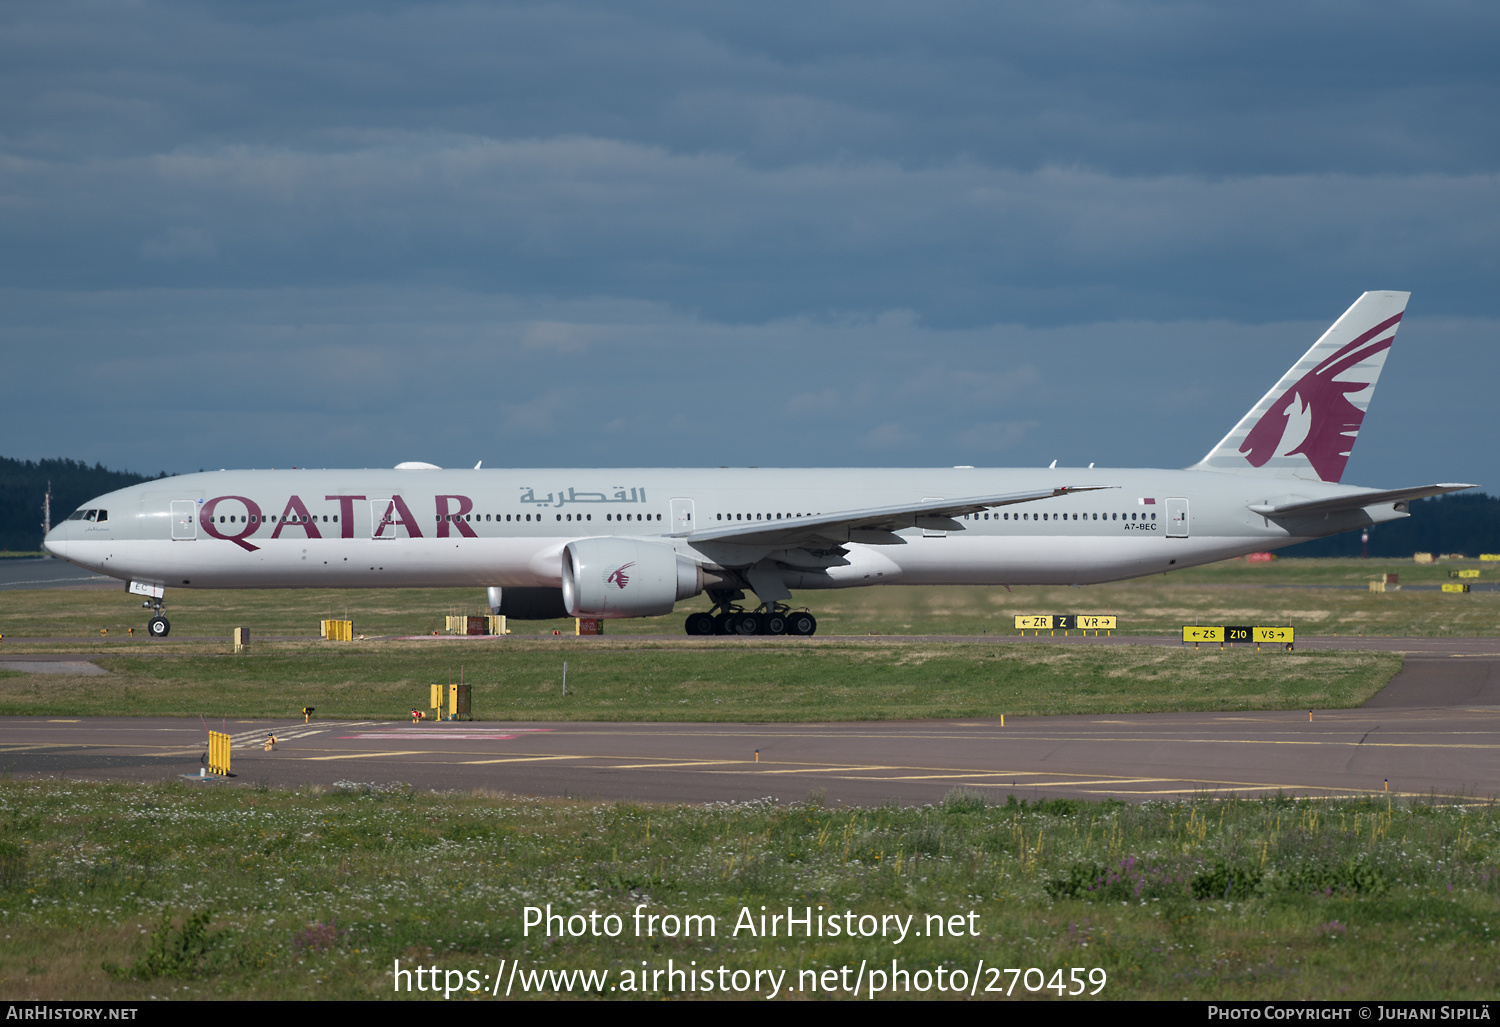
[876, 525]
[1351, 501]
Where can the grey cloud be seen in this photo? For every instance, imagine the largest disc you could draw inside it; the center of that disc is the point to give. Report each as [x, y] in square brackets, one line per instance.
[955, 242]
[372, 376]
[357, 232]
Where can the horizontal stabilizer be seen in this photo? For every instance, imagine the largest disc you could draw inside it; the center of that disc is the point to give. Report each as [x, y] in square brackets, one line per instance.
[1351, 501]
[792, 530]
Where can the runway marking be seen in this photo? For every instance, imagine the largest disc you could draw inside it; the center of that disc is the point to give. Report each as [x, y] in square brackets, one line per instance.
[944, 777]
[532, 759]
[671, 766]
[62, 721]
[1070, 784]
[822, 769]
[363, 755]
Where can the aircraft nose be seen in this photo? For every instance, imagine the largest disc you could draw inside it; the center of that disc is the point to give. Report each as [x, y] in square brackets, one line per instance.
[56, 541]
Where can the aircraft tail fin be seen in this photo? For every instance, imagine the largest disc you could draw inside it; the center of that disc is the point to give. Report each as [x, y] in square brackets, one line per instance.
[1305, 427]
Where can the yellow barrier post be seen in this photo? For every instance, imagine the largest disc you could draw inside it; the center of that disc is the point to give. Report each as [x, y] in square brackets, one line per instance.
[241, 639]
[437, 701]
[218, 753]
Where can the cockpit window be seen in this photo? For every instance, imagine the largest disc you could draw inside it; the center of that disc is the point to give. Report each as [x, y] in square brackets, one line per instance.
[77, 515]
[103, 515]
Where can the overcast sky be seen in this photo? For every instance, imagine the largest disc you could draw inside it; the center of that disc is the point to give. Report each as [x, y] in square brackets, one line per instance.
[350, 234]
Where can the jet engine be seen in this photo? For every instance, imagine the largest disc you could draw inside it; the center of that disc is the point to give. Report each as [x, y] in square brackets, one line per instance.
[623, 577]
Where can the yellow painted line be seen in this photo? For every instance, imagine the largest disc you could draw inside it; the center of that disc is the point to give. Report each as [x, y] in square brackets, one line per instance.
[1106, 781]
[669, 766]
[530, 759]
[954, 775]
[366, 755]
[817, 769]
[62, 721]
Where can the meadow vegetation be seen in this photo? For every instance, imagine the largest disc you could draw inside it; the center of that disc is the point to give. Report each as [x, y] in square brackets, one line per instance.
[1317, 597]
[624, 678]
[123, 891]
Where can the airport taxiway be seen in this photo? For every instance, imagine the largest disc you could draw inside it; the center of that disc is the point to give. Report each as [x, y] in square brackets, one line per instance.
[1452, 751]
[1435, 729]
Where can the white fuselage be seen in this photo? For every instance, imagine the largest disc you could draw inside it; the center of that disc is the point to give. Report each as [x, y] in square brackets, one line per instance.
[394, 528]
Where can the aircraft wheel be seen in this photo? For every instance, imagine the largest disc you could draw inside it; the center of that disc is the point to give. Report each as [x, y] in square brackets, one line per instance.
[700, 624]
[801, 623]
[721, 624]
[159, 627]
[744, 624]
[775, 623]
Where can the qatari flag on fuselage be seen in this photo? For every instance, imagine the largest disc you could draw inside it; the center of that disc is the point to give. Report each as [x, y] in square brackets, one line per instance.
[1145, 502]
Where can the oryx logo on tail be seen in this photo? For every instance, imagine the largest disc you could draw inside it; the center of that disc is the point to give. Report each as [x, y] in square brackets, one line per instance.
[1320, 399]
[1307, 424]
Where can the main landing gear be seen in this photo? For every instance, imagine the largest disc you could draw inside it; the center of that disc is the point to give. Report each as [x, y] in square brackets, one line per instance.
[729, 619]
[158, 626]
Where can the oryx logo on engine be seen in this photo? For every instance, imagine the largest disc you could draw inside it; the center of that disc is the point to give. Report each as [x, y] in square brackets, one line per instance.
[618, 575]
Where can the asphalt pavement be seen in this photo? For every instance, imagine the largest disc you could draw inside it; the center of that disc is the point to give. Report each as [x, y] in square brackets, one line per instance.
[1435, 730]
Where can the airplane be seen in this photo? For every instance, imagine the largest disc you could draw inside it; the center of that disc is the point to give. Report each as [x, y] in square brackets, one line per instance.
[619, 542]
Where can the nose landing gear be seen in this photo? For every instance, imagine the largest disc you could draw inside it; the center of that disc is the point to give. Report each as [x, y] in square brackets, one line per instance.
[158, 626]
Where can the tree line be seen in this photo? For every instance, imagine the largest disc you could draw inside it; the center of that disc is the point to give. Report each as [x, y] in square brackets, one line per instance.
[23, 484]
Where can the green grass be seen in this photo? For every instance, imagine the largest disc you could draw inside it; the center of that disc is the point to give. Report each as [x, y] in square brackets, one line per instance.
[126, 892]
[1232, 592]
[706, 680]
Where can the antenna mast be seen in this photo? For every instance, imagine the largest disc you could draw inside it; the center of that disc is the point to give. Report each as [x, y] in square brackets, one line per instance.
[47, 510]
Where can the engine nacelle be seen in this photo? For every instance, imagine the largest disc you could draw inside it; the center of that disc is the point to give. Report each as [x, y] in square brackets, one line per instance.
[624, 577]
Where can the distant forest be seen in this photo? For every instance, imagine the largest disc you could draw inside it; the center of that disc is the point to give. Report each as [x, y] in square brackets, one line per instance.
[23, 483]
[1467, 523]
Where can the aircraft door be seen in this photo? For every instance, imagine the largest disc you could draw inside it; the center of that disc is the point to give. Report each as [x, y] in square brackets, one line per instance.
[682, 517]
[1177, 518]
[184, 520]
[387, 519]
